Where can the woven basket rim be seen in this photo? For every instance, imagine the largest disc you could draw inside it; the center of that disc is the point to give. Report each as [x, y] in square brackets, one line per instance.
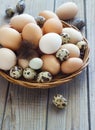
[54, 82]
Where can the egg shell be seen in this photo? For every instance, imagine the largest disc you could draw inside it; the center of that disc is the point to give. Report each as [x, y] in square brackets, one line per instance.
[50, 43]
[44, 77]
[35, 63]
[32, 33]
[47, 14]
[75, 36]
[50, 64]
[52, 25]
[16, 72]
[10, 38]
[19, 21]
[71, 65]
[72, 48]
[29, 74]
[23, 63]
[67, 11]
[7, 59]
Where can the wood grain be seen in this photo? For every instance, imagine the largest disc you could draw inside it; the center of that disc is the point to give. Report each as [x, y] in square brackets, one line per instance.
[3, 96]
[75, 115]
[26, 109]
[90, 15]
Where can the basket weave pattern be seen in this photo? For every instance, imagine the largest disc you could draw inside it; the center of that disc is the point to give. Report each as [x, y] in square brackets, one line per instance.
[58, 79]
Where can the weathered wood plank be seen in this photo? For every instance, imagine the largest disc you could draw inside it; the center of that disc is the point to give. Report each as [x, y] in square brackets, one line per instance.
[90, 17]
[27, 108]
[75, 115]
[3, 82]
[3, 94]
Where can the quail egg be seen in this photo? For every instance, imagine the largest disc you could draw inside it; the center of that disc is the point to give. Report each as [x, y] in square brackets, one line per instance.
[9, 12]
[40, 20]
[59, 101]
[16, 72]
[20, 7]
[29, 73]
[79, 23]
[82, 45]
[65, 38]
[62, 54]
[44, 77]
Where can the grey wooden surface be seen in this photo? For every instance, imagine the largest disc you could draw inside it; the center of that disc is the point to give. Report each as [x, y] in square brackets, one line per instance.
[31, 109]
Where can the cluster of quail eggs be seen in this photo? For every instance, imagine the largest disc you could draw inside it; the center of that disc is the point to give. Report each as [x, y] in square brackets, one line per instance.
[29, 73]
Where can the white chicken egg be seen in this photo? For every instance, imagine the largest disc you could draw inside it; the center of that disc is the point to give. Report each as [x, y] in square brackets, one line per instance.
[50, 43]
[7, 59]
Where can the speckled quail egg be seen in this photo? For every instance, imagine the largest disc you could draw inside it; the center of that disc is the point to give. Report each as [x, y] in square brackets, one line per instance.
[16, 72]
[65, 38]
[82, 45]
[44, 77]
[59, 101]
[9, 12]
[29, 73]
[62, 54]
[40, 20]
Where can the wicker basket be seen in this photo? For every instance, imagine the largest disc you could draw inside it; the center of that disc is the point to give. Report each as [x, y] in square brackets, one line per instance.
[59, 79]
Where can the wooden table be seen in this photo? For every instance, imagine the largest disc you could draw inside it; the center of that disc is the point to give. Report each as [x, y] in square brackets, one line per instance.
[31, 109]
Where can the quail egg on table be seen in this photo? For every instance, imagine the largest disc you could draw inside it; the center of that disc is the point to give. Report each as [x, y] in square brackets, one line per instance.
[62, 54]
[20, 7]
[59, 101]
[79, 23]
[16, 72]
[65, 38]
[9, 12]
[44, 77]
[29, 73]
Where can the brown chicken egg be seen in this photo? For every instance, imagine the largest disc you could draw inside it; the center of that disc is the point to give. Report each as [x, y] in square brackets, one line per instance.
[52, 25]
[71, 65]
[47, 14]
[19, 21]
[72, 48]
[67, 11]
[10, 38]
[75, 36]
[32, 33]
[50, 64]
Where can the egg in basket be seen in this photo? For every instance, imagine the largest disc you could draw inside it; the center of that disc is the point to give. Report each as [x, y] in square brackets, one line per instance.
[41, 52]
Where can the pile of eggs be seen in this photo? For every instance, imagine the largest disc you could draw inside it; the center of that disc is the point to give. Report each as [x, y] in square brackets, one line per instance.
[37, 49]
